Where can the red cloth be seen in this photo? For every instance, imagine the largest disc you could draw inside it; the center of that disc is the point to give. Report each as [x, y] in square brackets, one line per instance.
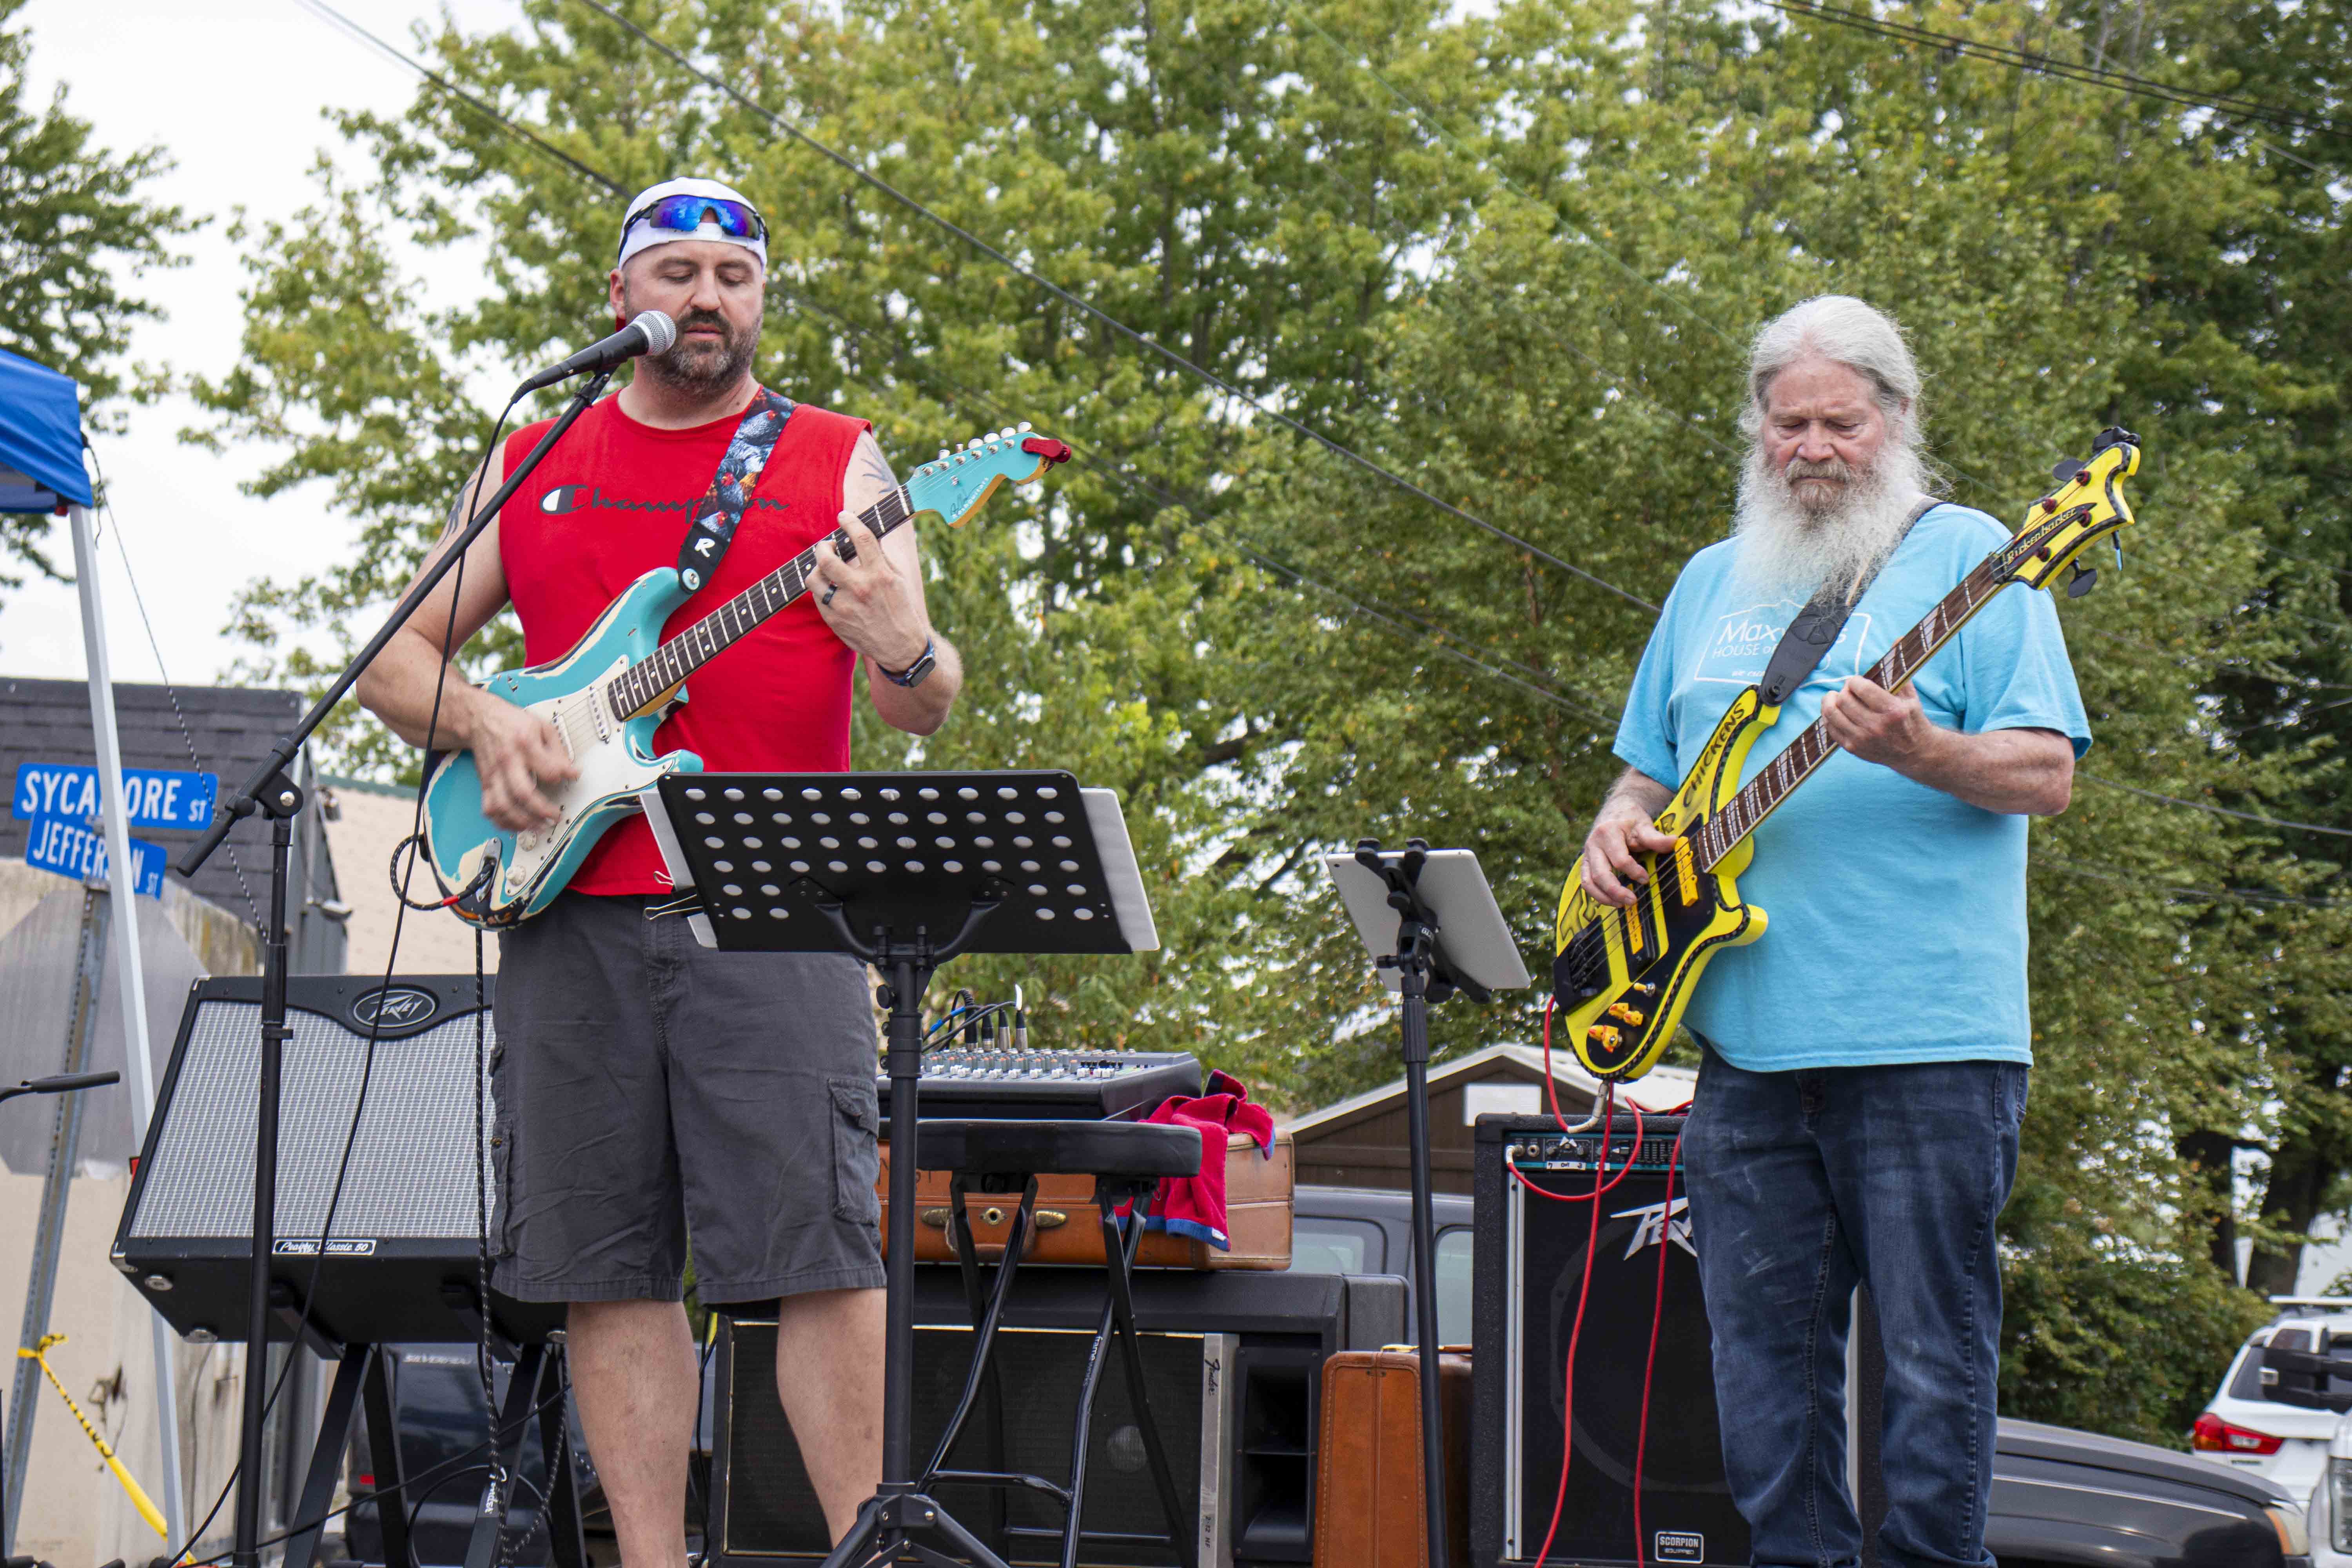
[1195, 1205]
[611, 502]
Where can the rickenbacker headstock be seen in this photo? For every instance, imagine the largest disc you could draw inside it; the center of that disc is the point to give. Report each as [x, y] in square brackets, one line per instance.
[2088, 506]
[956, 484]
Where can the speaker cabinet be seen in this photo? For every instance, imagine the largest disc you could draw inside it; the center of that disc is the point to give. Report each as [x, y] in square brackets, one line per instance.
[1233, 1367]
[1529, 1270]
[399, 1259]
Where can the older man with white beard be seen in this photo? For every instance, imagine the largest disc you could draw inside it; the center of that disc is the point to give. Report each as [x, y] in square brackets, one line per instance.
[1865, 1065]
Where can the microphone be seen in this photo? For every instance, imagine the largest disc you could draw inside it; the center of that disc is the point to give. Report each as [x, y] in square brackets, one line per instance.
[648, 332]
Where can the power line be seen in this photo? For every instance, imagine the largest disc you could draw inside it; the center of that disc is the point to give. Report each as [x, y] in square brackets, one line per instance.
[1434, 632]
[2272, 114]
[1112, 322]
[2253, 896]
[2217, 810]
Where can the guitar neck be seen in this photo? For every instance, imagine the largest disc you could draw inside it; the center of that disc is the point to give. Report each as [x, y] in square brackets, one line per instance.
[1746, 810]
[656, 675]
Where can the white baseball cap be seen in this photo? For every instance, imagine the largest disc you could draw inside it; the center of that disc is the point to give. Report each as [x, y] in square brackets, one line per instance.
[668, 213]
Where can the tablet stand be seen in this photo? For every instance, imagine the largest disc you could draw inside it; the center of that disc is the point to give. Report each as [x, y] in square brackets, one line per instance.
[1427, 970]
[903, 871]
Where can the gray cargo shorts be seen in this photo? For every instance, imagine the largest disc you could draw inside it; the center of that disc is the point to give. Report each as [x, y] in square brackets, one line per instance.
[649, 1088]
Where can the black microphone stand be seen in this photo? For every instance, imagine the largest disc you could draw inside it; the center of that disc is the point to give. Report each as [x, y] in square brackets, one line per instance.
[271, 791]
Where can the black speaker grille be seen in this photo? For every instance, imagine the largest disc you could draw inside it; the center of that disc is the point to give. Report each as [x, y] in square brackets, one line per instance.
[771, 1511]
[413, 1162]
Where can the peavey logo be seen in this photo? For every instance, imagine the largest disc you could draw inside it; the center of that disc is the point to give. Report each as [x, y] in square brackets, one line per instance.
[564, 500]
[1653, 1219]
[395, 1007]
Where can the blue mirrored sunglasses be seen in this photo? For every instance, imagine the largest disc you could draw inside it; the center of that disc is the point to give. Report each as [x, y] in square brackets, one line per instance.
[686, 214]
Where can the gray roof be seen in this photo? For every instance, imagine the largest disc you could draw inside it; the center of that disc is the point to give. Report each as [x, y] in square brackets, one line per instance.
[232, 728]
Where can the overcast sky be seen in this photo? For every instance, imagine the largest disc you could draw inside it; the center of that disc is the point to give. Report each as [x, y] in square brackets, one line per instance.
[232, 90]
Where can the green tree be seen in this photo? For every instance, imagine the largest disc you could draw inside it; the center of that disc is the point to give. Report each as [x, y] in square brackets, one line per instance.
[1515, 259]
[75, 233]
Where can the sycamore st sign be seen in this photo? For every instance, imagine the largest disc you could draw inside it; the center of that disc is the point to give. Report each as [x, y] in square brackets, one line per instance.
[62, 804]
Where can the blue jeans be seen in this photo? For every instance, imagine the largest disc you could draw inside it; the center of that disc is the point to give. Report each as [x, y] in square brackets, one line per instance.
[1802, 1184]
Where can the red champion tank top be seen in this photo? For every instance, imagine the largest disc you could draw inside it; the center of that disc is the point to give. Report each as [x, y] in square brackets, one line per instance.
[611, 503]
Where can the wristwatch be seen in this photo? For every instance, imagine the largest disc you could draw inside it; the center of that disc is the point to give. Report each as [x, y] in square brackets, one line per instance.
[916, 673]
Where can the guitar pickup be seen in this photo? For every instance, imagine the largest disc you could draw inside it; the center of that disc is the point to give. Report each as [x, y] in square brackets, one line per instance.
[1686, 871]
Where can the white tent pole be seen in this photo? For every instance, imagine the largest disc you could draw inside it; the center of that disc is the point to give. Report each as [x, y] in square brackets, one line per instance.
[123, 879]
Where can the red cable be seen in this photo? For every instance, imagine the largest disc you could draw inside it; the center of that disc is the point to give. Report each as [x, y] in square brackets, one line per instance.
[1584, 1292]
[1649, 1365]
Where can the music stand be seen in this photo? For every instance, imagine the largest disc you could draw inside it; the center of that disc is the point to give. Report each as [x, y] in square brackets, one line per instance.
[1431, 923]
[876, 866]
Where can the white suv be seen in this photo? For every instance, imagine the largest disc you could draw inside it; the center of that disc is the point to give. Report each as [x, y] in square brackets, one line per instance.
[2242, 1429]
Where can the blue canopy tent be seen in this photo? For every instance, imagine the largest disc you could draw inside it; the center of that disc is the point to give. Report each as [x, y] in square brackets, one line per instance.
[41, 471]
[40, 438]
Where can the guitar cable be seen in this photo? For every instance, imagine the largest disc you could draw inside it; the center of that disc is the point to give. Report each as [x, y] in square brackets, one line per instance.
[359, 1103]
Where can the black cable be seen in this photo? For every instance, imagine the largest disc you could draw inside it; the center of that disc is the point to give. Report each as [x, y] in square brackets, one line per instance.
[381, 1492]
[367, 1061]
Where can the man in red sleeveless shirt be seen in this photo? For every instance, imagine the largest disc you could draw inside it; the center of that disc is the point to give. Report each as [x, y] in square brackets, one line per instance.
[647, 1087]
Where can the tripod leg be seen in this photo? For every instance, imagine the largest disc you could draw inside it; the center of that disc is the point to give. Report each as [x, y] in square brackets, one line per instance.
[327, 1457]
[506, 1452]
[384, 1452]
[1181, 1526]
[567, 1545]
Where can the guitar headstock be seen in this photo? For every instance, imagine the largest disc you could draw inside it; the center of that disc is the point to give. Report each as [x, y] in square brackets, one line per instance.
[956, 484]
[2087, 506]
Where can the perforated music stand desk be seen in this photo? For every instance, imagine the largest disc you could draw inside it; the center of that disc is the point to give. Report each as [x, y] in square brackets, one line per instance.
[904, 871]
[1431, 925]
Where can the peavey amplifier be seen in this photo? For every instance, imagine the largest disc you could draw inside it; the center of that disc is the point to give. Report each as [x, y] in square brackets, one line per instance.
[399, 1259]
[1528, 1268]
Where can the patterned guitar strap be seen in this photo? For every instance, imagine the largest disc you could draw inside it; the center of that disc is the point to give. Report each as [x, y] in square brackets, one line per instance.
[1811, 635]
[720, 511]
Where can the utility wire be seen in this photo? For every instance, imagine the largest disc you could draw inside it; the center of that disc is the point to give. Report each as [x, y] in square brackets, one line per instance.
[2217, 810]
[1433, 631]
[1436, 633]
[1112, 322]
[2272, 114]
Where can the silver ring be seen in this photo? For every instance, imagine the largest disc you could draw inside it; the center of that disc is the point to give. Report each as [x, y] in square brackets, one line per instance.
[830, 590]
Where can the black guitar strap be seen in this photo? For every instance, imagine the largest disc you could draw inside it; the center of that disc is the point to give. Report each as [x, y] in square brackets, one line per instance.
[720, 510]
[1815, 630]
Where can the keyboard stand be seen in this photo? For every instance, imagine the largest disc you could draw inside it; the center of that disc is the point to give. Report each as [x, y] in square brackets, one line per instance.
[879, 866]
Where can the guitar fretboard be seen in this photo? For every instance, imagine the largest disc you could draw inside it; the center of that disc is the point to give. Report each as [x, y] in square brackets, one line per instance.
[637, 687]
[1746, 810]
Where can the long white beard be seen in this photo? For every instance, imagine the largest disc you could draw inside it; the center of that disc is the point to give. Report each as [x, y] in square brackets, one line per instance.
[1785, 548]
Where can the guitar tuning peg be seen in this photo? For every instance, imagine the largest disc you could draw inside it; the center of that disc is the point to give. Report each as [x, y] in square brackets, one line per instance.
[1005, 434]
[2084, 579]
[2066, 468]
[942, 457]
[1023, 427]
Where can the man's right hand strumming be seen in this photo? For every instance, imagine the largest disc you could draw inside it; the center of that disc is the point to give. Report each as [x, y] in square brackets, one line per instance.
[515, 752]
[1621, 833]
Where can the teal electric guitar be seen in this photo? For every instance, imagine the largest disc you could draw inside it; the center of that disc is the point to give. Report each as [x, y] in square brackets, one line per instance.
[612, 691]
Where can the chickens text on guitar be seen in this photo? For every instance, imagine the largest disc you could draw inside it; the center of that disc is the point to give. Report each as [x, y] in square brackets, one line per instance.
[607, 696]
[1622, 977]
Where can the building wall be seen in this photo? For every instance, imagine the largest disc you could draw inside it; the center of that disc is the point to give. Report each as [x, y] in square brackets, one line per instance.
[364, 822]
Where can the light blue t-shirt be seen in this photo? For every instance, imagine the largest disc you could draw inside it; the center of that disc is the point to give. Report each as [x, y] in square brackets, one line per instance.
[1897, 911]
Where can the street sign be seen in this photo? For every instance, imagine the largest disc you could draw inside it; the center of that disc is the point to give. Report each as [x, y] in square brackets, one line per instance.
[155, 797]
[60, 844]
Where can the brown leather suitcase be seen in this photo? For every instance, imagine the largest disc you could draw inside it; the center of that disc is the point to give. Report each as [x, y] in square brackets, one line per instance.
[1069, 1229]
[1369, 1503]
